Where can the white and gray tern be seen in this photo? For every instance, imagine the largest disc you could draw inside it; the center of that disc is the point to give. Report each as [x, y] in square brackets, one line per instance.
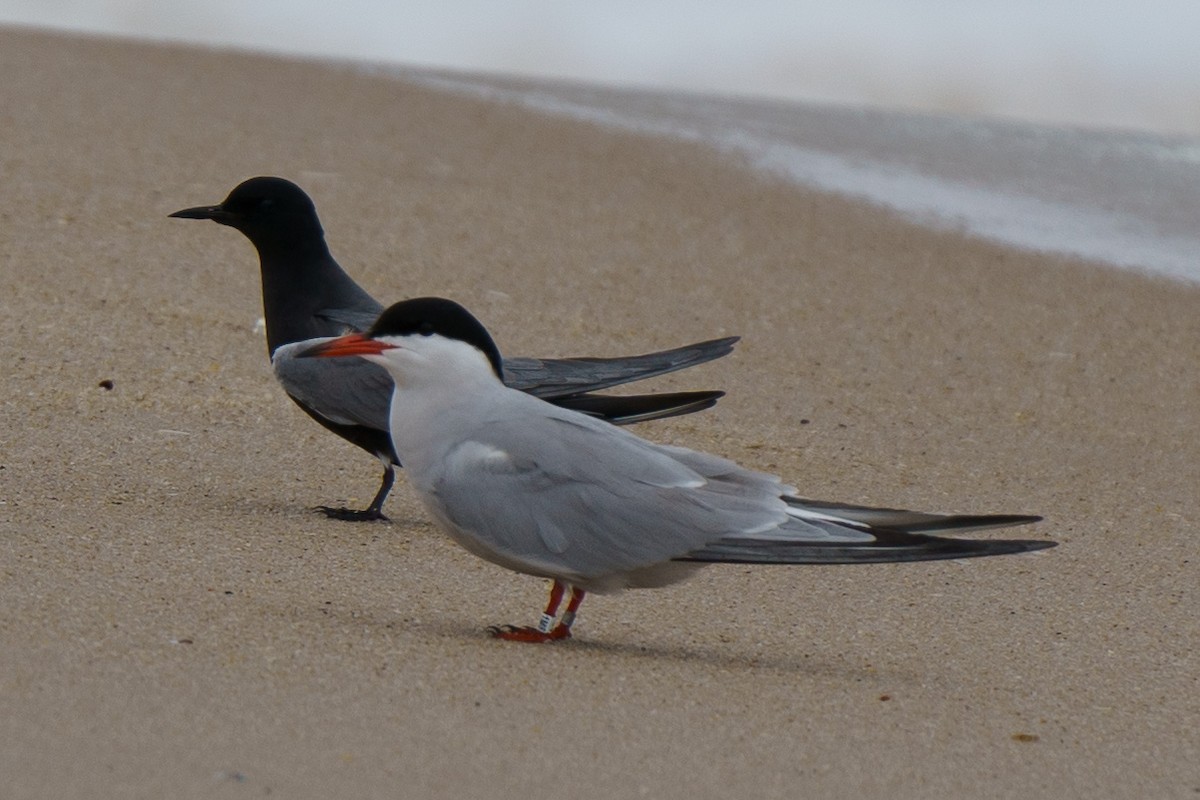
[552, 492]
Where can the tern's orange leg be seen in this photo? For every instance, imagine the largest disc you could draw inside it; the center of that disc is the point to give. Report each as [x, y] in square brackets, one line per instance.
[546, 631]
[563, 629]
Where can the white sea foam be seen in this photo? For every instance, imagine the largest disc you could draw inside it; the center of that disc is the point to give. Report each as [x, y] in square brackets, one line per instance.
[1128, 200]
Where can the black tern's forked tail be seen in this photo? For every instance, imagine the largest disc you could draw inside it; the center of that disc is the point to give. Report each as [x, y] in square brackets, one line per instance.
[307, 296]
[548, 491]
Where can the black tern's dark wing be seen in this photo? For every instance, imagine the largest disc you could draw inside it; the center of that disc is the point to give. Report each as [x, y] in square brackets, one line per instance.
[353, 391]
[556, 377]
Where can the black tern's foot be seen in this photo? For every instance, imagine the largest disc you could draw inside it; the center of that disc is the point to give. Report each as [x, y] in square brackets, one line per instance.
[353, 515]
[512, 633]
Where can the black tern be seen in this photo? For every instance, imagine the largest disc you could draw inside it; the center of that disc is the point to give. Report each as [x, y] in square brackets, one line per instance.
[307, 296]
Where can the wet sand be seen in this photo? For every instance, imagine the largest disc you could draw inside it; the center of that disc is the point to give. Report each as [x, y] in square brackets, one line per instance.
[178, 623]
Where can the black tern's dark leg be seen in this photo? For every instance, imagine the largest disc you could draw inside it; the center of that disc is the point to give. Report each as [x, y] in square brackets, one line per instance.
[370, 513]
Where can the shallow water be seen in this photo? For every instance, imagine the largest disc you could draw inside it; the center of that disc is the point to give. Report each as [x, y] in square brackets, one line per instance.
[1123, 199]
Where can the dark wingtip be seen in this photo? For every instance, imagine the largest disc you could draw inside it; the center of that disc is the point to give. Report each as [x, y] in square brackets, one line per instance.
[1018, 519]
[961, 522]
[630, 409]
[891, 548]
[718, 348]
[1007, 546]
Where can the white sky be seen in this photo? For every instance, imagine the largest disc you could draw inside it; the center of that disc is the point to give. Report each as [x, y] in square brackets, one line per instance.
[1098, 63]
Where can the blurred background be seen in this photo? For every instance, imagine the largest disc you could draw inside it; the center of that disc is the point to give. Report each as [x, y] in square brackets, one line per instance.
[1097, 63]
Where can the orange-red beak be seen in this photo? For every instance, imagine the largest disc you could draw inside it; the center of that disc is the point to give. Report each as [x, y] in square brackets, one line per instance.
[352, 344]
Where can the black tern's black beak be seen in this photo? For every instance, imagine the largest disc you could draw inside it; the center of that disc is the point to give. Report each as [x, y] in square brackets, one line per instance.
[215, 213]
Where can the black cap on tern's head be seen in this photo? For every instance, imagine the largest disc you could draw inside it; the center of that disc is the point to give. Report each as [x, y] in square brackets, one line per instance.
[262, 207]
[428, 316]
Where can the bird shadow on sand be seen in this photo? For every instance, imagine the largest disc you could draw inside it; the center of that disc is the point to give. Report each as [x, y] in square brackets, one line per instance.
[718, 656]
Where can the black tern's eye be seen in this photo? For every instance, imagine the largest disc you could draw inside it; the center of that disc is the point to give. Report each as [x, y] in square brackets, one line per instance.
[425, 329]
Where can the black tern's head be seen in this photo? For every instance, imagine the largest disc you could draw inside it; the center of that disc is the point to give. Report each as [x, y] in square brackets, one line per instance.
[264, 209]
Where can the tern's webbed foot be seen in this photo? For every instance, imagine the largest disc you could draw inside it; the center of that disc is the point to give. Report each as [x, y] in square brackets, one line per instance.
[512, 633]
[353, 515]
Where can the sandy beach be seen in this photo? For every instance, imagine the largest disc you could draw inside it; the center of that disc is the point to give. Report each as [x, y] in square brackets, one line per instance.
[178, 623]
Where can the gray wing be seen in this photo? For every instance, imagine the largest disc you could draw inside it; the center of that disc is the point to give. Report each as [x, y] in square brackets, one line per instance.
[596, 506]
[347, 391]
[551, 493]
[551, 377]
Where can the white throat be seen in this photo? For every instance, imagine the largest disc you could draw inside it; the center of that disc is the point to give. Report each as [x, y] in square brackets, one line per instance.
[440, 386]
